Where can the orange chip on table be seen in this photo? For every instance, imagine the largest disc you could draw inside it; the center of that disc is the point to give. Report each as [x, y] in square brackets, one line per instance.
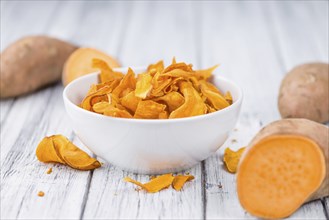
[58, 148]
[180, 180]
[232, 158]
[156, 184]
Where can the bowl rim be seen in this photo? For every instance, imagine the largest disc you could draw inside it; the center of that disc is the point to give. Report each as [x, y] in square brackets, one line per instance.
[150, 121]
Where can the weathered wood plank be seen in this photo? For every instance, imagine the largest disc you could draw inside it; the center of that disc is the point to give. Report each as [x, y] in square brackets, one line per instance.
[5, 106]
[299, 37]
[147, 40]
[22, 176]
[326, 206]
[19, 22]
[7, 9]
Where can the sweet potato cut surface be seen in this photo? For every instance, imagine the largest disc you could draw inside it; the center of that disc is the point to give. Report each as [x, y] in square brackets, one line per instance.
[80, 63]
[278, 174]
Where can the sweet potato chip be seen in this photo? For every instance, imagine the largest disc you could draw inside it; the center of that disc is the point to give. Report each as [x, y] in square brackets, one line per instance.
[128, 81]
[193, 104]
[156, 184]
[100, 107]
[91, 99]
[228, 97]
[173, 100]
[180, 180]
[216, 100]
[159, 87]
[107, 74]
[210, 109]
[92, 89]
[130, 101]
[231, 159]
[178, 73]
[143, 85]
[58, 148]
[205, 74]
[173, 60]
[117, 112]
[210, 86]
[178, 66]
[149, 109]
[163, 115]
[161, 182]
[159, 66]
[47, 153]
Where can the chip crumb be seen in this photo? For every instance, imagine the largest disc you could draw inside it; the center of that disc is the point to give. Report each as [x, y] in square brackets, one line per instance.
[234, 141]
[152, 177]
[50, 170]
[187, 173]
[41, 194]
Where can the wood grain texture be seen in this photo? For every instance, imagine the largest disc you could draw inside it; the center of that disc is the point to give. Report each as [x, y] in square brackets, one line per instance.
[255, 43]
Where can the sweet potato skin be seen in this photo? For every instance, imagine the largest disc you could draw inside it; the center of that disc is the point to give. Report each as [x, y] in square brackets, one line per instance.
[319, 133]
[31, 63]
[304, 93]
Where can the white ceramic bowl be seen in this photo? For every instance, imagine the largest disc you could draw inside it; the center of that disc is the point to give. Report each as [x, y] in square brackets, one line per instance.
[151, 146]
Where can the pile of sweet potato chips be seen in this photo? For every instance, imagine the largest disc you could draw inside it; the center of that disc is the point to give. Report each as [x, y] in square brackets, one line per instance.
[176, 91]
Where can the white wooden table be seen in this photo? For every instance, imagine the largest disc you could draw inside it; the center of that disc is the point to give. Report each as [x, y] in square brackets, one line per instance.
[256, 43]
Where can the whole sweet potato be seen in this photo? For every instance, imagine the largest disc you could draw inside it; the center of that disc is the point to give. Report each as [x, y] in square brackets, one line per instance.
[284, 166]
[31, 63]
[304, 93]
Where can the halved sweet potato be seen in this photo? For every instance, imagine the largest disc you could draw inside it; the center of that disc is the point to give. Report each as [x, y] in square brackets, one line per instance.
[284, 166]
[80, 63]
